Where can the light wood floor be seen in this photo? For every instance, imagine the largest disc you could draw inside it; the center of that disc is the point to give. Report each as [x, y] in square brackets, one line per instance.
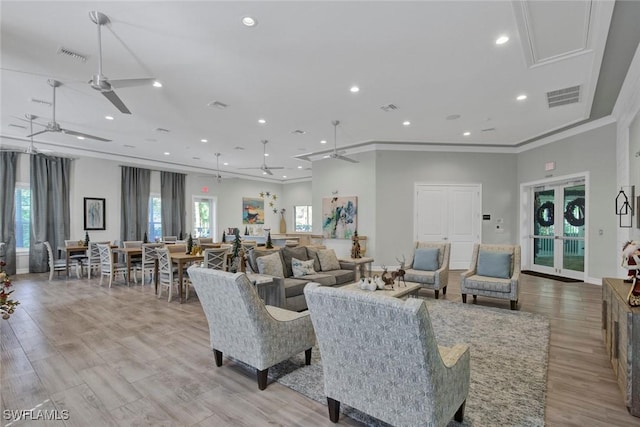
[120, 356]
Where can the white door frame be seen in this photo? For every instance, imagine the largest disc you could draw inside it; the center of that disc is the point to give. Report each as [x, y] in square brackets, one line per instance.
[477, 226]
[214, 213]
[526, 212]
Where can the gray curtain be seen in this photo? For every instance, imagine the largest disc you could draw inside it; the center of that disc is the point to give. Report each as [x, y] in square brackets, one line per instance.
[8, 160]
[49, 207]
[134, 221]
[173, 209]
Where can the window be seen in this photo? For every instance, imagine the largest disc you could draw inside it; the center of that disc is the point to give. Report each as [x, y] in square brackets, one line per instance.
[203, 216]
[302, 216]
[23, 215]
[155, 218]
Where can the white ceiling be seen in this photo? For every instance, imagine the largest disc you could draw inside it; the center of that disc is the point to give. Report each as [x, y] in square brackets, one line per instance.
[431, 59]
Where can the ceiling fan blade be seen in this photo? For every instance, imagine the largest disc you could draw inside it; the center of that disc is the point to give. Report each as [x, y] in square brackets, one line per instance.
[111, 96]
[267, 171]
[257, 167]
[84, 135]
[275, 167]
[338, 156]
[120, 83]
[37, 133]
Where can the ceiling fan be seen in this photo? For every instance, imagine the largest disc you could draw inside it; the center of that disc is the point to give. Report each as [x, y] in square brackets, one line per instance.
[100, 82]
[336, 154]
[266, 170]
[53, 126]
[218, 176]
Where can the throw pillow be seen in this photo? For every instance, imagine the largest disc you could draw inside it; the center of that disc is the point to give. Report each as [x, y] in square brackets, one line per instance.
[328, 260]
[494, 264]
[426, 259]
[302, 268]
[312, 253]
[270, 265]
[288, 254]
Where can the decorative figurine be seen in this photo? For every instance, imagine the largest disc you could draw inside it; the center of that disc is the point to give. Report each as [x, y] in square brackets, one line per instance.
[355, 246]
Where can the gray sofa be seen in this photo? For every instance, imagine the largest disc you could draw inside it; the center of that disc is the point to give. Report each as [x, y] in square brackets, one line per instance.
[294, 286]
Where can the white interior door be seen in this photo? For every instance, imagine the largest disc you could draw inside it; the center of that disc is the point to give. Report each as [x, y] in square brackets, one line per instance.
[450, 213]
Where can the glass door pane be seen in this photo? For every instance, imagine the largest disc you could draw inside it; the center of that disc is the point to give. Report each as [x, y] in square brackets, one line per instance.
[573, 228]
[543, 228]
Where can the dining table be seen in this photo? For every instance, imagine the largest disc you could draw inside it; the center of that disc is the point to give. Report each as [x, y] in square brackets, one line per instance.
[129, 254]
[181, 259]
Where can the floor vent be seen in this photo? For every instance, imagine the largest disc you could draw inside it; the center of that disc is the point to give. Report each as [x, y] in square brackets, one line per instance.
[569, 95]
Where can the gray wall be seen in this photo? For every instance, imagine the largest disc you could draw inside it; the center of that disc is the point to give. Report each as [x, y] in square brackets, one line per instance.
[397, 173]
[634, 163]
[594, 152]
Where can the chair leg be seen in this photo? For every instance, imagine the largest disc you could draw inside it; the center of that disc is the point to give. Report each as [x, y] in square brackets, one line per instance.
[514, 305]
[437, 292]
[262, 378]
[464, 298]
[475, 298]
[460, 413]
[217, 354]
[307, 356]
[444, 290]
[334, 409]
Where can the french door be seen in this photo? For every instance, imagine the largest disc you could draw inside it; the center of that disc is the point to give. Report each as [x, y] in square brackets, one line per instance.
[204, 216]
[558, 238]
[450, 213]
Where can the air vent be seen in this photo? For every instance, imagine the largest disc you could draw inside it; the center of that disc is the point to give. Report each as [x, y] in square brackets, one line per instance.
[217, 104]
[569, 95]
[40, 101]
[163, 130]
[389, 107]
[488, 130]
[453, 117]
[238, 148]
[72, 54]
[129, 146]
[298, 132]
[11, 125]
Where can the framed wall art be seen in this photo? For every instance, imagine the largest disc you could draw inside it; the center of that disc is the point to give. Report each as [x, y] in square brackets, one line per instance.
[94, 213]
[252, 210]
[339, 217]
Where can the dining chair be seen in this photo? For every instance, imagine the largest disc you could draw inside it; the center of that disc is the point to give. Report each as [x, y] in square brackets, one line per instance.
[167, 275]
[108, 267]
[136, 261]
[169, 238]
[148, 262]
[55, 264]
[92, 261]
[177, 248]
[76, 256]
[216, 258]
[202, 240]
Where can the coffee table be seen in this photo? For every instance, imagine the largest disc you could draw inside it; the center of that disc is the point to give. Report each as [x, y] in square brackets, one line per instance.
[398, 291]
[362, 266]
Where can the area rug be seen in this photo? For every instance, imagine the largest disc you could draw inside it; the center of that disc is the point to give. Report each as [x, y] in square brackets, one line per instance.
[509, 361]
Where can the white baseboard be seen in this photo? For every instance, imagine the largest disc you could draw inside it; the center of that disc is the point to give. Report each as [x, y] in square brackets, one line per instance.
[593, 281]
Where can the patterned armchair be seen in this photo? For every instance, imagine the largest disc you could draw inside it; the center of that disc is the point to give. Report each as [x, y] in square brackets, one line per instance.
[243, 327]
[380, 356]
[435, 276]
[494, 272]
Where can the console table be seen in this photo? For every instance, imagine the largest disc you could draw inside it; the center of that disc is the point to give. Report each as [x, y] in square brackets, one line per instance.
[621, 331]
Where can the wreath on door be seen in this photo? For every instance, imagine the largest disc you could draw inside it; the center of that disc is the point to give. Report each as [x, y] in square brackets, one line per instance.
[574, 213]
[544, 214]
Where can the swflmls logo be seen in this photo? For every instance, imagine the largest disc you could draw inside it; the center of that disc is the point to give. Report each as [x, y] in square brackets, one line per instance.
[35, 414]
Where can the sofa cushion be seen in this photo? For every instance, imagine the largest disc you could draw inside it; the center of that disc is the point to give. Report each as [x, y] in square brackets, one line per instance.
[342, 276]
[302, 268]
[270, 265]
[426, 259]
[328, 260]
[312, 253]
[254, 254]
[420, 276]
[288, 253]
[493, 285]
[494, 264]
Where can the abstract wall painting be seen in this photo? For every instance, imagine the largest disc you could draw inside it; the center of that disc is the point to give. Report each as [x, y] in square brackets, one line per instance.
[339, 217]
[252, 210]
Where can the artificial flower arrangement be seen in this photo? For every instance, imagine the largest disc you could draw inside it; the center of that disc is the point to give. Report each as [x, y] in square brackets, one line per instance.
[7, 305]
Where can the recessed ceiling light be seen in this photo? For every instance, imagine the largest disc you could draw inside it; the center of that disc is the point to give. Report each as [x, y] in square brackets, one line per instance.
[299, 167]
[406, 123]
[521, 97]
[264, 173]
[284, 176]
[467, 133]
[262, 121]
[80, 137]
[325, 157]
[324, 141]
[226, 163]
[248, 21]
[108, 117]
[204, 140]
[166, 153]
[157, 84]
[266, 154]
[502, 40]
[354, 89]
